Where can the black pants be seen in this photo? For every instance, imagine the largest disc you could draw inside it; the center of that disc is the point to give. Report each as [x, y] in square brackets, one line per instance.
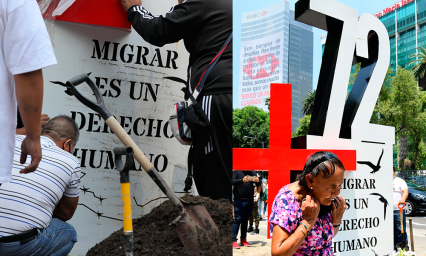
[212, 164]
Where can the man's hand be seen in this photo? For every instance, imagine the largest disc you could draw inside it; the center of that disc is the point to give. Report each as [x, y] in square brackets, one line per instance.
[402, 201]
[29, 95]
[256, 179]
[44, 119]
[129, 3]
[30, 146]
[246, 179]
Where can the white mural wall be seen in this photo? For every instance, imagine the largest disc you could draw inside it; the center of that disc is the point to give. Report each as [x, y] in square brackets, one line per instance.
[129, 72]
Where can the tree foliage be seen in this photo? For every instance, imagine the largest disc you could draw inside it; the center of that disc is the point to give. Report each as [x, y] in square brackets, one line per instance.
[418, 60]
[353, 76]
[402, 105]
[253, 122]
[303, 127]
[268, 103]
[308, 103]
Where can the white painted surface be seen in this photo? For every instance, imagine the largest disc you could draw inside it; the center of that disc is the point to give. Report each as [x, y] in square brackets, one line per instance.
[74, 48]
[362, 131]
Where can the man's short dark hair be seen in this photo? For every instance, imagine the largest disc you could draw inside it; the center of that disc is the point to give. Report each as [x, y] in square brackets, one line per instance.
[61, 127]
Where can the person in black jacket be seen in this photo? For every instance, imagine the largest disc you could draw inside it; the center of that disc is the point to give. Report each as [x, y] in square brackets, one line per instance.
[243, 203]
[204, 26]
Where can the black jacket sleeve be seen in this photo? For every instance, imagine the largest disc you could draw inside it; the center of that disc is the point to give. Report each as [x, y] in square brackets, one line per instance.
[236, 179]
[159, 30]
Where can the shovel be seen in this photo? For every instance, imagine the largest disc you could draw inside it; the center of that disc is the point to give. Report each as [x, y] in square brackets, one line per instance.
[402, 245]
[194, 225]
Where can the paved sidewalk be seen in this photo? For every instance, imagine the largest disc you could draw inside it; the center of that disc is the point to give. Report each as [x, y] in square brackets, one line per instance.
[260, 246]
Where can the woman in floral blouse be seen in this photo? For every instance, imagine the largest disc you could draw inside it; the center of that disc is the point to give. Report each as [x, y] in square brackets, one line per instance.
[296, 222]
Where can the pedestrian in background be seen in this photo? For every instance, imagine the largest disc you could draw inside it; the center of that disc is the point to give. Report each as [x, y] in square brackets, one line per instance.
[243, 203]
[400, 194]
[265, 199]
[255, 214]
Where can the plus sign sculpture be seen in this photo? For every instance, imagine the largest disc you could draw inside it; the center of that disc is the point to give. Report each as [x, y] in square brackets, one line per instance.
[279, 159]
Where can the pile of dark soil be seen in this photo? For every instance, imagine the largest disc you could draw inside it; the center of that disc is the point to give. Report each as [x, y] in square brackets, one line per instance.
[153, 235]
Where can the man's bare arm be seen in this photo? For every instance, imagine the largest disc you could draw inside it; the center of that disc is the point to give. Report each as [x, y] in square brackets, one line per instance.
[29, 95]
[405, 194]
[65, 208]
[43, 121]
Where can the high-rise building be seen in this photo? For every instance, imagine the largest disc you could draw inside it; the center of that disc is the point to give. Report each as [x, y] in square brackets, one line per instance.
[275, 49]
[406, 25]
[300, 66]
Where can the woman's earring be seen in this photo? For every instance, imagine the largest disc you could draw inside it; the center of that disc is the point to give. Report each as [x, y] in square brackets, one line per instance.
[312, 187]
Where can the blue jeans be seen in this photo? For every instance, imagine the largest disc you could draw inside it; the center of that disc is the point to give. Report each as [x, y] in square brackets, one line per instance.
[57, 239]
[259, 204]
[242, 213]
[397, 236]
[265, 208]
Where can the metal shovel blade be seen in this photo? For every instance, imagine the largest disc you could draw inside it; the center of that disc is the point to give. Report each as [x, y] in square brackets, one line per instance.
[196, 229]
[403, 245]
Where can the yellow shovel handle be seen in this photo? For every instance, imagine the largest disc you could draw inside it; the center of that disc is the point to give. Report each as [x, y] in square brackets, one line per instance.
[127, 207]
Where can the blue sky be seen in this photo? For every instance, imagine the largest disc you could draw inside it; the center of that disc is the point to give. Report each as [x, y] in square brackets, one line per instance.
[243, 6]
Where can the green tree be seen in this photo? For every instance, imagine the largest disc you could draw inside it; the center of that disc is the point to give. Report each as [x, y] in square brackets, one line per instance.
[253, 122]
[303, 127]
[400, 106]
[353, 76]
[384, 96]
[308, 103]
[268, 103]
[419, 65]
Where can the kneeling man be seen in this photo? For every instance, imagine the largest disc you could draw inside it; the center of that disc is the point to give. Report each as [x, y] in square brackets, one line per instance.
[35, 206]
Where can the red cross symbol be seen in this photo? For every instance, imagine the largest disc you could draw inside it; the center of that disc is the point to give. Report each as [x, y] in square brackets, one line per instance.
[260, 61]
[108, 13]
[279, 159]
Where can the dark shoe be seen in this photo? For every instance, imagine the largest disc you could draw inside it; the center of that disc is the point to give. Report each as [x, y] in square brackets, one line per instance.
[250, 229]
[256, 231]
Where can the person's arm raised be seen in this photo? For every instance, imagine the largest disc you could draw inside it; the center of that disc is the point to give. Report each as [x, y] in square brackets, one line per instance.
[65, 208]
[29, 95]
[337, 214]
[284, 243]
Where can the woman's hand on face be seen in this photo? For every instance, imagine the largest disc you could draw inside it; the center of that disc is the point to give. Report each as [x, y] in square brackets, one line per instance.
[310, 209]
[339, 208]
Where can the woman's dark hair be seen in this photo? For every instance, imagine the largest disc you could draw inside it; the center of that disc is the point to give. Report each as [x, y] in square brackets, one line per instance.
[321, 161]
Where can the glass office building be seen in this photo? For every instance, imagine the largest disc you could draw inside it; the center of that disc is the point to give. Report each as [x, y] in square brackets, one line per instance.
[300, 66]
[275, 48]
[406, 25]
